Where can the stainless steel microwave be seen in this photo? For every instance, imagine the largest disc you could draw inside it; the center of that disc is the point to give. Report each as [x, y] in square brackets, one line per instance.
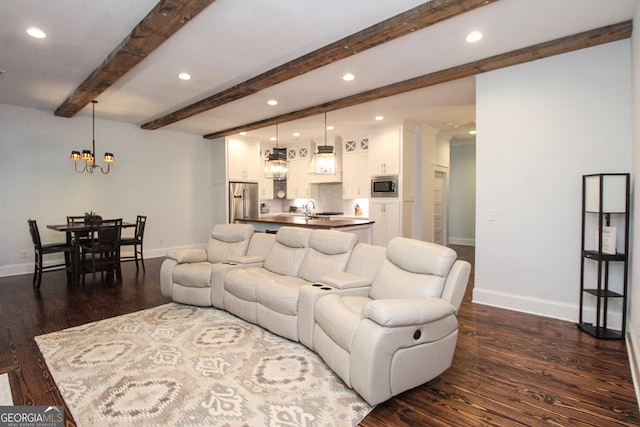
[384, 186]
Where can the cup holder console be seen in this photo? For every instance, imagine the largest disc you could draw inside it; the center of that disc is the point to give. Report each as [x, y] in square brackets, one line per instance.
[322, 286]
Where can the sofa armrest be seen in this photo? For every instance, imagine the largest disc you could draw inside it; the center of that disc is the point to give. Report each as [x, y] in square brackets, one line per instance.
[245, 259]
[407, 312]
[307, 298]
[188, 255]
[166, 277]
[344, 280]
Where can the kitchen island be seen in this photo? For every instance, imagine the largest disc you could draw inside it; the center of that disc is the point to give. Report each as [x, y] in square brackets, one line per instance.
[271, 223]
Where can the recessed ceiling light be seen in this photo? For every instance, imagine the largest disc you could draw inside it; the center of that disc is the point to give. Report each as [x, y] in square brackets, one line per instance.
[473, 132]
[348, 77]
[330, 127]
[243, 134]
[474, 36]
[184, 76]
[273, 138]
[296, 134]
[378, 118]
[36, 33]
[272, 102]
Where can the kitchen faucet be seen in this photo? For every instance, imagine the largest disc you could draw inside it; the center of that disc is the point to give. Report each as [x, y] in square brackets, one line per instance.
[307, 211]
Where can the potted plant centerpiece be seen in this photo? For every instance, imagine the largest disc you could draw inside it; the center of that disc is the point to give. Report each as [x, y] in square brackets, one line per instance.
[92, 217]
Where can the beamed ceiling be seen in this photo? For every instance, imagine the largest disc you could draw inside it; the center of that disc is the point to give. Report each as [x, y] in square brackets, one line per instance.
[409, 58]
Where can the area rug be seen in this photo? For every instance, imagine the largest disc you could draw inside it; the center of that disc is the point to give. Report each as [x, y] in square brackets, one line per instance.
[178, 365]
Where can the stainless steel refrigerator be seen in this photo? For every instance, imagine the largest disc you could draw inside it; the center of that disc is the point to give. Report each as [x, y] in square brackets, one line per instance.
[243, 201]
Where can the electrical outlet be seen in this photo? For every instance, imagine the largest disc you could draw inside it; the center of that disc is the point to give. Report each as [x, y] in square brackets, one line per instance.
[23, 253]
[491, 215]
[161, 241]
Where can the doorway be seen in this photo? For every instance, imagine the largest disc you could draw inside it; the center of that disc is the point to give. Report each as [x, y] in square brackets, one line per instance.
[440, 207]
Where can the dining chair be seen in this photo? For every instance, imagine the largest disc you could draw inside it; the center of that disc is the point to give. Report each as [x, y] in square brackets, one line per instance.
[41, 249]
[136, 242]
[80, 235]
[101, 252]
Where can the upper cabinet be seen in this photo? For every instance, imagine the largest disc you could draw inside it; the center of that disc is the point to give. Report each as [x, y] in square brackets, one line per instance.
[299, 156]
[384, 151]
[355, 163]
[243, 159]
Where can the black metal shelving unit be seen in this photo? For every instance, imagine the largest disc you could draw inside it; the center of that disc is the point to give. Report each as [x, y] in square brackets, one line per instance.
[605, 200]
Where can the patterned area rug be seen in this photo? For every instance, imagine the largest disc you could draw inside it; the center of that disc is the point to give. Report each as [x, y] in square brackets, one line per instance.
[179, 365]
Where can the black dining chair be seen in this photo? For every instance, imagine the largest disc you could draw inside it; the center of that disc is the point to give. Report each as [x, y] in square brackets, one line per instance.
[136, 242]
[41, 249]
[101, 251]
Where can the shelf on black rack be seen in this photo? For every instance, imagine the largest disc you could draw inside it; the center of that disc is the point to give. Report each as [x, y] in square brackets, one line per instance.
[604, 257]
[600, 332]
[603, 293]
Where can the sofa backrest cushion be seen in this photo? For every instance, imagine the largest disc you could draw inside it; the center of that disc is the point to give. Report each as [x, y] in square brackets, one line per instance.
[366, 259]
[260, 244]
[329, 252]
[228, 240]
[286, 255]
[412, 269]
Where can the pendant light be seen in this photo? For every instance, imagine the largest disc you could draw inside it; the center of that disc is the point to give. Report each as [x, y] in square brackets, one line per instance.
[275, 167]
[89, 156]
[325, 158]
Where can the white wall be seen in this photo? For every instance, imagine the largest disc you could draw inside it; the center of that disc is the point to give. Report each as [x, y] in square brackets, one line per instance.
[162, 174]
[462, 194]
[541, 126]
[633, 324]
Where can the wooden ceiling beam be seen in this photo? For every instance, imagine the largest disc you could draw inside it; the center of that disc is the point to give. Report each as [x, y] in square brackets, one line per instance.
[419, 17]
[559, 46]
[165, 19]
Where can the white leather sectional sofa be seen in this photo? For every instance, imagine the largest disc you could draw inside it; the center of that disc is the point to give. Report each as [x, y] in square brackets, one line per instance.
[384, 319]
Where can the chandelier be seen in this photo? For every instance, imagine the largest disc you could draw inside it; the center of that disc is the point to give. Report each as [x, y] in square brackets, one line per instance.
[275, 167]
[325, 158]
[88, 156]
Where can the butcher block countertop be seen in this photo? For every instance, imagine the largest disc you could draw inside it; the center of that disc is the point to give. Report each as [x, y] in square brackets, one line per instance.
[301, 221]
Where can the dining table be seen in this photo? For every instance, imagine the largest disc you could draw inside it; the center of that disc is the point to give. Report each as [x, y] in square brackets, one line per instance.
[73, 230]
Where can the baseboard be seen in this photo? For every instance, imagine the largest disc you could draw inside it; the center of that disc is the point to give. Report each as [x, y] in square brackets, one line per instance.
[526, 304]
[27, 267]
[634, 356]
[464, 241]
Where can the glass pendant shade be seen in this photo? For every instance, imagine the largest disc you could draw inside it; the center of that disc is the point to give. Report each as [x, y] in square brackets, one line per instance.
[325, 160]
[275, 167]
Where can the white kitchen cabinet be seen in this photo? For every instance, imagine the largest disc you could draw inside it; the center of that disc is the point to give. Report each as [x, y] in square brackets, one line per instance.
[386, 214]
[384, 152]
[299, 156]
[243, 159]
[355, 162]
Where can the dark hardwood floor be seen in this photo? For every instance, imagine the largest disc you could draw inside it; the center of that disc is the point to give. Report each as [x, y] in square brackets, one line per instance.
[509, 369]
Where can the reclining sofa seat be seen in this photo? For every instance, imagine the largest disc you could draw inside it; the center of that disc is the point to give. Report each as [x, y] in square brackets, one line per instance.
[404, 332]
[185, 275]
[268, 296]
